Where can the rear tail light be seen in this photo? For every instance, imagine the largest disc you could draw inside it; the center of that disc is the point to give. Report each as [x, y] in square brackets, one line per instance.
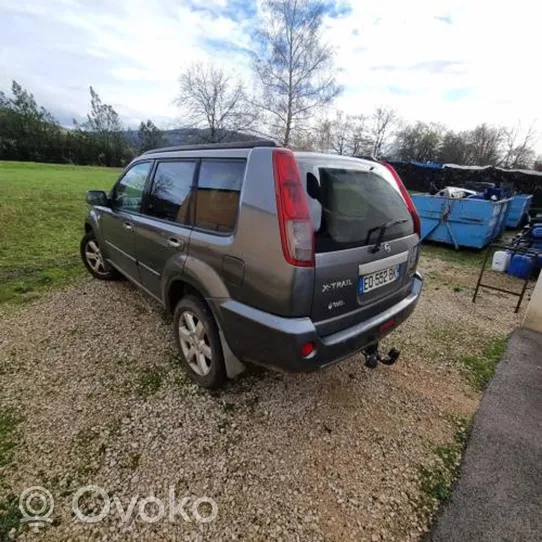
[406, 196]
[296, 229]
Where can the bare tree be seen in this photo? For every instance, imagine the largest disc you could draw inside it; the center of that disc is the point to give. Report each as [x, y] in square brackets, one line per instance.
[360, 140]
[454, 148]
[384, 122]
[293, 67]
[322, 135]
[519, 151]
[340, 133]
[308, 140]
[215, 101]
[420, 142]
[348, 135]
[485, 145]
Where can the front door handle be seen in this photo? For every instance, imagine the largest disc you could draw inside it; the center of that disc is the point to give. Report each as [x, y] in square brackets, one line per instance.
[128, 226]
[175, 243]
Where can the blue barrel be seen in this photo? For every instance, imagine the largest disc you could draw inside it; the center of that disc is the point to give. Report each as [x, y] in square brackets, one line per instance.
[521, 266]
[461, 222]
[519, 207]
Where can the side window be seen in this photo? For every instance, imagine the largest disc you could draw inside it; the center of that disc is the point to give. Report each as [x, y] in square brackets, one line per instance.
[129, 190]
[170, 194]
[219, 186]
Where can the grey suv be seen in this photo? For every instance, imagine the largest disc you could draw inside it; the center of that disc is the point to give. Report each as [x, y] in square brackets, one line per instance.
[265, 256]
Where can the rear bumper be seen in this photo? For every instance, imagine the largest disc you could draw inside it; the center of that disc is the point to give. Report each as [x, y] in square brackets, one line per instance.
[263, 338]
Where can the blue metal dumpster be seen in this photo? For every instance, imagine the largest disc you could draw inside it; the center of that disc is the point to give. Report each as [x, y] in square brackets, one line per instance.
[519, 207]
[461, 222]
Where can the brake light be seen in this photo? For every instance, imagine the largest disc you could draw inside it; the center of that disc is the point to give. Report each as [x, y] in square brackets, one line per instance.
[296, 229]
[406, 196]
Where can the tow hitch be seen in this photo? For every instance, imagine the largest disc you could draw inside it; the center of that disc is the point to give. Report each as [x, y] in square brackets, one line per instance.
[372, 356]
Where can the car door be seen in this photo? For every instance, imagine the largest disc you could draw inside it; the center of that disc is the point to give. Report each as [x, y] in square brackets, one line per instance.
[117, 222]
[162, 231]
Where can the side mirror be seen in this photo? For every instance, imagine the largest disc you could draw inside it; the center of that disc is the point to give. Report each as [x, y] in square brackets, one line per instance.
[97, 197]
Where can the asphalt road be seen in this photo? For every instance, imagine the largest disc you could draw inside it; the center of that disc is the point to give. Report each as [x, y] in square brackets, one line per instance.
[498, 496]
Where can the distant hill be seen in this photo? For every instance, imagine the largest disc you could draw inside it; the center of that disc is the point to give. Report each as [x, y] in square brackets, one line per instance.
[187, 136]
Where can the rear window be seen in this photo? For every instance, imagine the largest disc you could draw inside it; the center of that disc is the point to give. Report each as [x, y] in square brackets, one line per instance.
[349, 201]
[218, 192]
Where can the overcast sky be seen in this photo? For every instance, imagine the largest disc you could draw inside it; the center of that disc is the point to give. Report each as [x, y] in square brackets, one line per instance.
[452, 61]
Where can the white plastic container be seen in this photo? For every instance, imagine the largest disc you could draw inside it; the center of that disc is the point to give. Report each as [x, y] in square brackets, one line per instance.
[501, 261]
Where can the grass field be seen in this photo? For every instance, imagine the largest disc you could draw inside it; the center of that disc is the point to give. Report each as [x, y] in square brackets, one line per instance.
[465, 256]
[42, 207]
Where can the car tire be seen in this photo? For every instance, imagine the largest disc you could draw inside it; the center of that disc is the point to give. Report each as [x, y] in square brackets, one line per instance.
[198, 341]
[93, 259]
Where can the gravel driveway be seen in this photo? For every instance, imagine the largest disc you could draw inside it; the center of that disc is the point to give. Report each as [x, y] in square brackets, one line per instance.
[333, 455]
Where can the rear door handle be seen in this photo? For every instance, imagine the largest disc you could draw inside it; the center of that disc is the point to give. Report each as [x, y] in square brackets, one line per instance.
[175, 243]
[128, 226]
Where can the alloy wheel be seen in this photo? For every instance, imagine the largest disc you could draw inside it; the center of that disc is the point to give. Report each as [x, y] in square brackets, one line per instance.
[195, 343]
[94, 257]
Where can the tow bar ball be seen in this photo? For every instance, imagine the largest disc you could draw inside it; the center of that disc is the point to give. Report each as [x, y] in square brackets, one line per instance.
[372, 356]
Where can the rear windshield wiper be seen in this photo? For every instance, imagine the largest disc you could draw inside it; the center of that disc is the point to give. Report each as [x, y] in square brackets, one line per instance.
[382, 230]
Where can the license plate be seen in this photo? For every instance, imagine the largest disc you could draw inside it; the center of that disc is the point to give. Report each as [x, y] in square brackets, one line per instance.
[376, 280]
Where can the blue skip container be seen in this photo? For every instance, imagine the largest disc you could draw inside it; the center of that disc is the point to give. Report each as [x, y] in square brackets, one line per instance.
[461, 222]
[519, 207]
[521, 266]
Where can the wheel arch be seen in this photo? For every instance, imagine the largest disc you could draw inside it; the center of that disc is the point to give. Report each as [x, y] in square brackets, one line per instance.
[186, 274]
[178, 287]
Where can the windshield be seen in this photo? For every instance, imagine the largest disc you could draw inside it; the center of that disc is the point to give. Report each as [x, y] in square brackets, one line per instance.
[347, 202]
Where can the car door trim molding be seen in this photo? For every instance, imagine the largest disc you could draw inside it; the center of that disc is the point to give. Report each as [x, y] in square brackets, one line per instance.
[125, 254]
[150, 269]
[384, 263]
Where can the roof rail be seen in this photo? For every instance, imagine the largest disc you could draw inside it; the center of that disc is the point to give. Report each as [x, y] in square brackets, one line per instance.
[214, 146]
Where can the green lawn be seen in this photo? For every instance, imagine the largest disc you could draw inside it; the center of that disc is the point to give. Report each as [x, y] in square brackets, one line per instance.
[464, 256]
[42, 207]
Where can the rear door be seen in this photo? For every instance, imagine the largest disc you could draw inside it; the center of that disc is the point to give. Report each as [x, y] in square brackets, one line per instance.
[364, 239]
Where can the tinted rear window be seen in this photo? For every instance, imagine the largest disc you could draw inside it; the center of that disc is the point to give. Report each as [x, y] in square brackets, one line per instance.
[349, 202]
